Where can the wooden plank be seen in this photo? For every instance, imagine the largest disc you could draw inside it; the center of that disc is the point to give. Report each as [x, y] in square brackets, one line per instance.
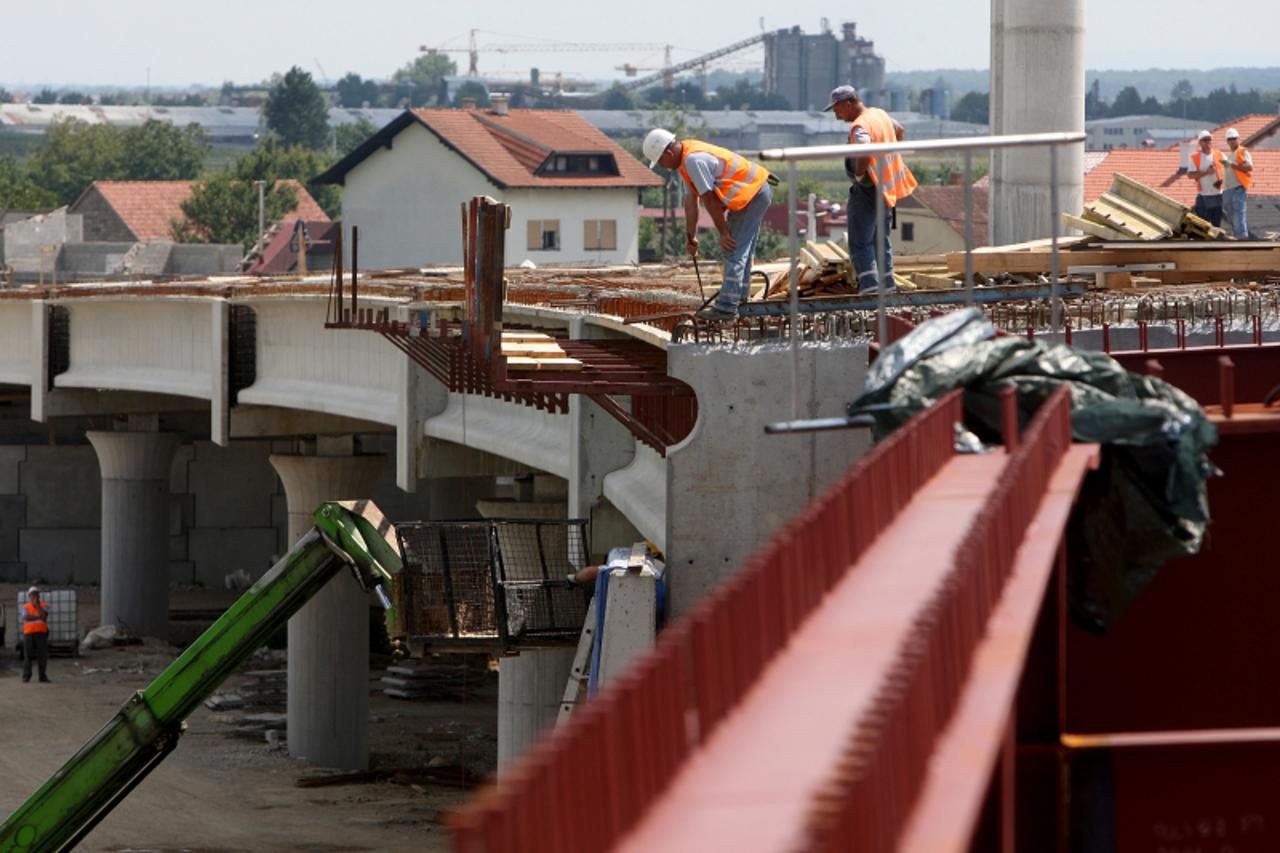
[1156, 203]
[510, 336]
[1133, 217]
[1117, 280]
[1106, 232]
[530, 348]
[1226, 261]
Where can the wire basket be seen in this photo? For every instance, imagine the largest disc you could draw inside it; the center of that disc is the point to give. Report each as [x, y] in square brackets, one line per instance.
[499, 584]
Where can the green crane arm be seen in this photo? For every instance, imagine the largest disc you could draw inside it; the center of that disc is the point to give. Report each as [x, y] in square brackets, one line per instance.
[147, 727]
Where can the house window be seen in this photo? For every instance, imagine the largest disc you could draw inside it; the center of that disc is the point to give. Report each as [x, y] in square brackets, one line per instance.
[544, 235]
[908, 231]
[599, 234]
[571, 164]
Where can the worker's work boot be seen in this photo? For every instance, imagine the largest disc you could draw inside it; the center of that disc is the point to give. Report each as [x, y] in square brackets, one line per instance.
[714, 313]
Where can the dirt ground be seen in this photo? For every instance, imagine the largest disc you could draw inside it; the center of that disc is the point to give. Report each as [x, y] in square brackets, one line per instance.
[223, 792]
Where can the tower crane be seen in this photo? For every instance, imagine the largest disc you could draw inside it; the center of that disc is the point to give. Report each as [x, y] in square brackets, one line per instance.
[667, 74]
[473, 50]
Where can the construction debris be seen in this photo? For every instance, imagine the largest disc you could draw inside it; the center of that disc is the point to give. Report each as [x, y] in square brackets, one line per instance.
[823, 268]
[535, 351]
[1133, 211]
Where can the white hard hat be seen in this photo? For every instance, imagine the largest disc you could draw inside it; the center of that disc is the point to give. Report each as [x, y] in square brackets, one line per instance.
[1204, 134]
[655, 143]
[33, 591]
[1232, 133]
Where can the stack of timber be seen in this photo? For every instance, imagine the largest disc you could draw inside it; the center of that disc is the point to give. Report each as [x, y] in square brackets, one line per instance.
[535, 351]
[1133, 211]
[823, 269]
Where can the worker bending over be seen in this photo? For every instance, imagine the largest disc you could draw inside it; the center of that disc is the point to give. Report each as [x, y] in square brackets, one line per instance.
[735, 191]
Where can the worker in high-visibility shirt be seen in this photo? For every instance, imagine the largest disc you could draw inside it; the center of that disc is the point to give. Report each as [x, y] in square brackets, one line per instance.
[35, 635]
[1236, 178]
[1206, 171]
[736, 193]
[885, 174]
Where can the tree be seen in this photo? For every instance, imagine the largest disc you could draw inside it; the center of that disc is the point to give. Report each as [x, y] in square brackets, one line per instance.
[18, 191]
[745, 95]
[224, 209]
[421, 81]
[354, 91]
[1094, 107]
[46, 96]
[1181, 93]
[296, 111]
[160, 151]
[6, 97]
[974, 107]
[72, 98]
[618, 98]
[1127, 103]
[272, 161]
[76, 154]
[472, 89]
[351, 135]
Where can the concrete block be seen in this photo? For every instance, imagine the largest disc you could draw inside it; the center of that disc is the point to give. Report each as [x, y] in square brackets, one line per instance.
[10, 458]
[13, 516]
[233, 485]
[62, 486]
[729, 485]
[182, 457]
[217, 552]
[66, 555]
[630, 622]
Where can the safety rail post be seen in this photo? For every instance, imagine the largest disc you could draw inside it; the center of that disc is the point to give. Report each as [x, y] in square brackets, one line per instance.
[885, 759]
[701, 667]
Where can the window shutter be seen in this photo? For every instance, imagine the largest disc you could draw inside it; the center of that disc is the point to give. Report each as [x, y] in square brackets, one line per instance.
[534, 234]
[590, 234]
[609, 234]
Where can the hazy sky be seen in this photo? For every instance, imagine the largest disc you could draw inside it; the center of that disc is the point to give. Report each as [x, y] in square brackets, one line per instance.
[115, 43]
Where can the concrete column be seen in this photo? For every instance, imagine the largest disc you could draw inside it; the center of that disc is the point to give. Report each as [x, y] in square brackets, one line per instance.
[328, 679]
[531, 684]
[135, 528]
[1041, 83]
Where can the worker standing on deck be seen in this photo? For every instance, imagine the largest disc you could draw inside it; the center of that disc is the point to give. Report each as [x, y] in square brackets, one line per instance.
[1206, 171]
[886, 173]
[736, 193]
[35, 635]
[1235, 185]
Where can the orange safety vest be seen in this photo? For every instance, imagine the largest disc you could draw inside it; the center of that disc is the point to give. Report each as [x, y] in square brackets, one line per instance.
[1217, 164]
[738, 182]
[888, 171]
[33, 619]
[1237, 158]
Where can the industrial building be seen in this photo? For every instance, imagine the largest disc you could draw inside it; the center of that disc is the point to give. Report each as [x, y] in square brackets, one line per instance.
[805, 68]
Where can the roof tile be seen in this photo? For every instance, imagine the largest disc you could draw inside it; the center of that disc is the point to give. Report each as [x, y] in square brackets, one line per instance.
[1158, 168]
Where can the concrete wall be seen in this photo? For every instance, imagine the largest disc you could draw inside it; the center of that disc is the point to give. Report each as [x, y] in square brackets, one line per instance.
[203, 259]
[729, 485]
[101, 222]
[15, 342]
[22, 240]
[405, 201]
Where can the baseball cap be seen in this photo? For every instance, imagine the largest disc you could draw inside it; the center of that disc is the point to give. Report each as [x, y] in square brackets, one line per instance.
[841, 93]
[1204, 134]
[1232, 133]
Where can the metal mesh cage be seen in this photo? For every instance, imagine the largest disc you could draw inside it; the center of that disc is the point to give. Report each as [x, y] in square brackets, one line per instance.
[493, 583]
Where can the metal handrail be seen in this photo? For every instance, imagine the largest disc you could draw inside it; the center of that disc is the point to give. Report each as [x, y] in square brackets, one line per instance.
[792, 156]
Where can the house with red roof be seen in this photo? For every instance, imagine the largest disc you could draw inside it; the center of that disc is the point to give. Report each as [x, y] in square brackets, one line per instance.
[140, 211]
[574, 193]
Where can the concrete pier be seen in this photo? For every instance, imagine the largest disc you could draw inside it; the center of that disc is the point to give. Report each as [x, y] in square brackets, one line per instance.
[1037, 79]
[329, 638]
[135, 528]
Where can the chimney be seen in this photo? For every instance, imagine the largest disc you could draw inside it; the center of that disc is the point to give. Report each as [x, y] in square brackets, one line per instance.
[499, 104]
[955, 178]
[468, 103]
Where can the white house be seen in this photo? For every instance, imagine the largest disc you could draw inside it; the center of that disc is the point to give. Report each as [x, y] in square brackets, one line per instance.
[574, 193]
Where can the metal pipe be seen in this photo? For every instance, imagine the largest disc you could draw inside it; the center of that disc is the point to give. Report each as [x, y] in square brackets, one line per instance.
[831, 152]
[792, 177]
[968, 227]
[882, 323]
[1055, 301]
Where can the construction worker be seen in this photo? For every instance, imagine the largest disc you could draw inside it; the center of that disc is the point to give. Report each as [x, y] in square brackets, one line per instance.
[736, 193]
[886, 173]
[1235, 185]
[1206, 171]
[35, 635]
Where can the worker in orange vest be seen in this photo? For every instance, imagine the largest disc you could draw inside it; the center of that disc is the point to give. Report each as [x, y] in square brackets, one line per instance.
[1206, 171]
[1237, 176]
[883, 173]
[35, 635]
[736, 193]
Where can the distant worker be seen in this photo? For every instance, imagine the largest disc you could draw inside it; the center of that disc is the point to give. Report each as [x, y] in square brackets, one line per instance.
[1206, 171]
[887, 172]
[1235, 186]
[736, 193]
[35, 635]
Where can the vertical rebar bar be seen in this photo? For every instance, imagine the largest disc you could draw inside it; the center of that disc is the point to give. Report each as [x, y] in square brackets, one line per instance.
[1055, 290]
[792, 177]
[882, 323]
[968, 228]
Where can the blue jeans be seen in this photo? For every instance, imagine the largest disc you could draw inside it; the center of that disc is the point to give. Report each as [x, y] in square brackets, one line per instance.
[862, 237]
[1234, 202]
[744, 228]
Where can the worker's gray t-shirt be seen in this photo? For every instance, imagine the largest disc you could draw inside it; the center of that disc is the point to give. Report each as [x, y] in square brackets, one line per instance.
[704, 170]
